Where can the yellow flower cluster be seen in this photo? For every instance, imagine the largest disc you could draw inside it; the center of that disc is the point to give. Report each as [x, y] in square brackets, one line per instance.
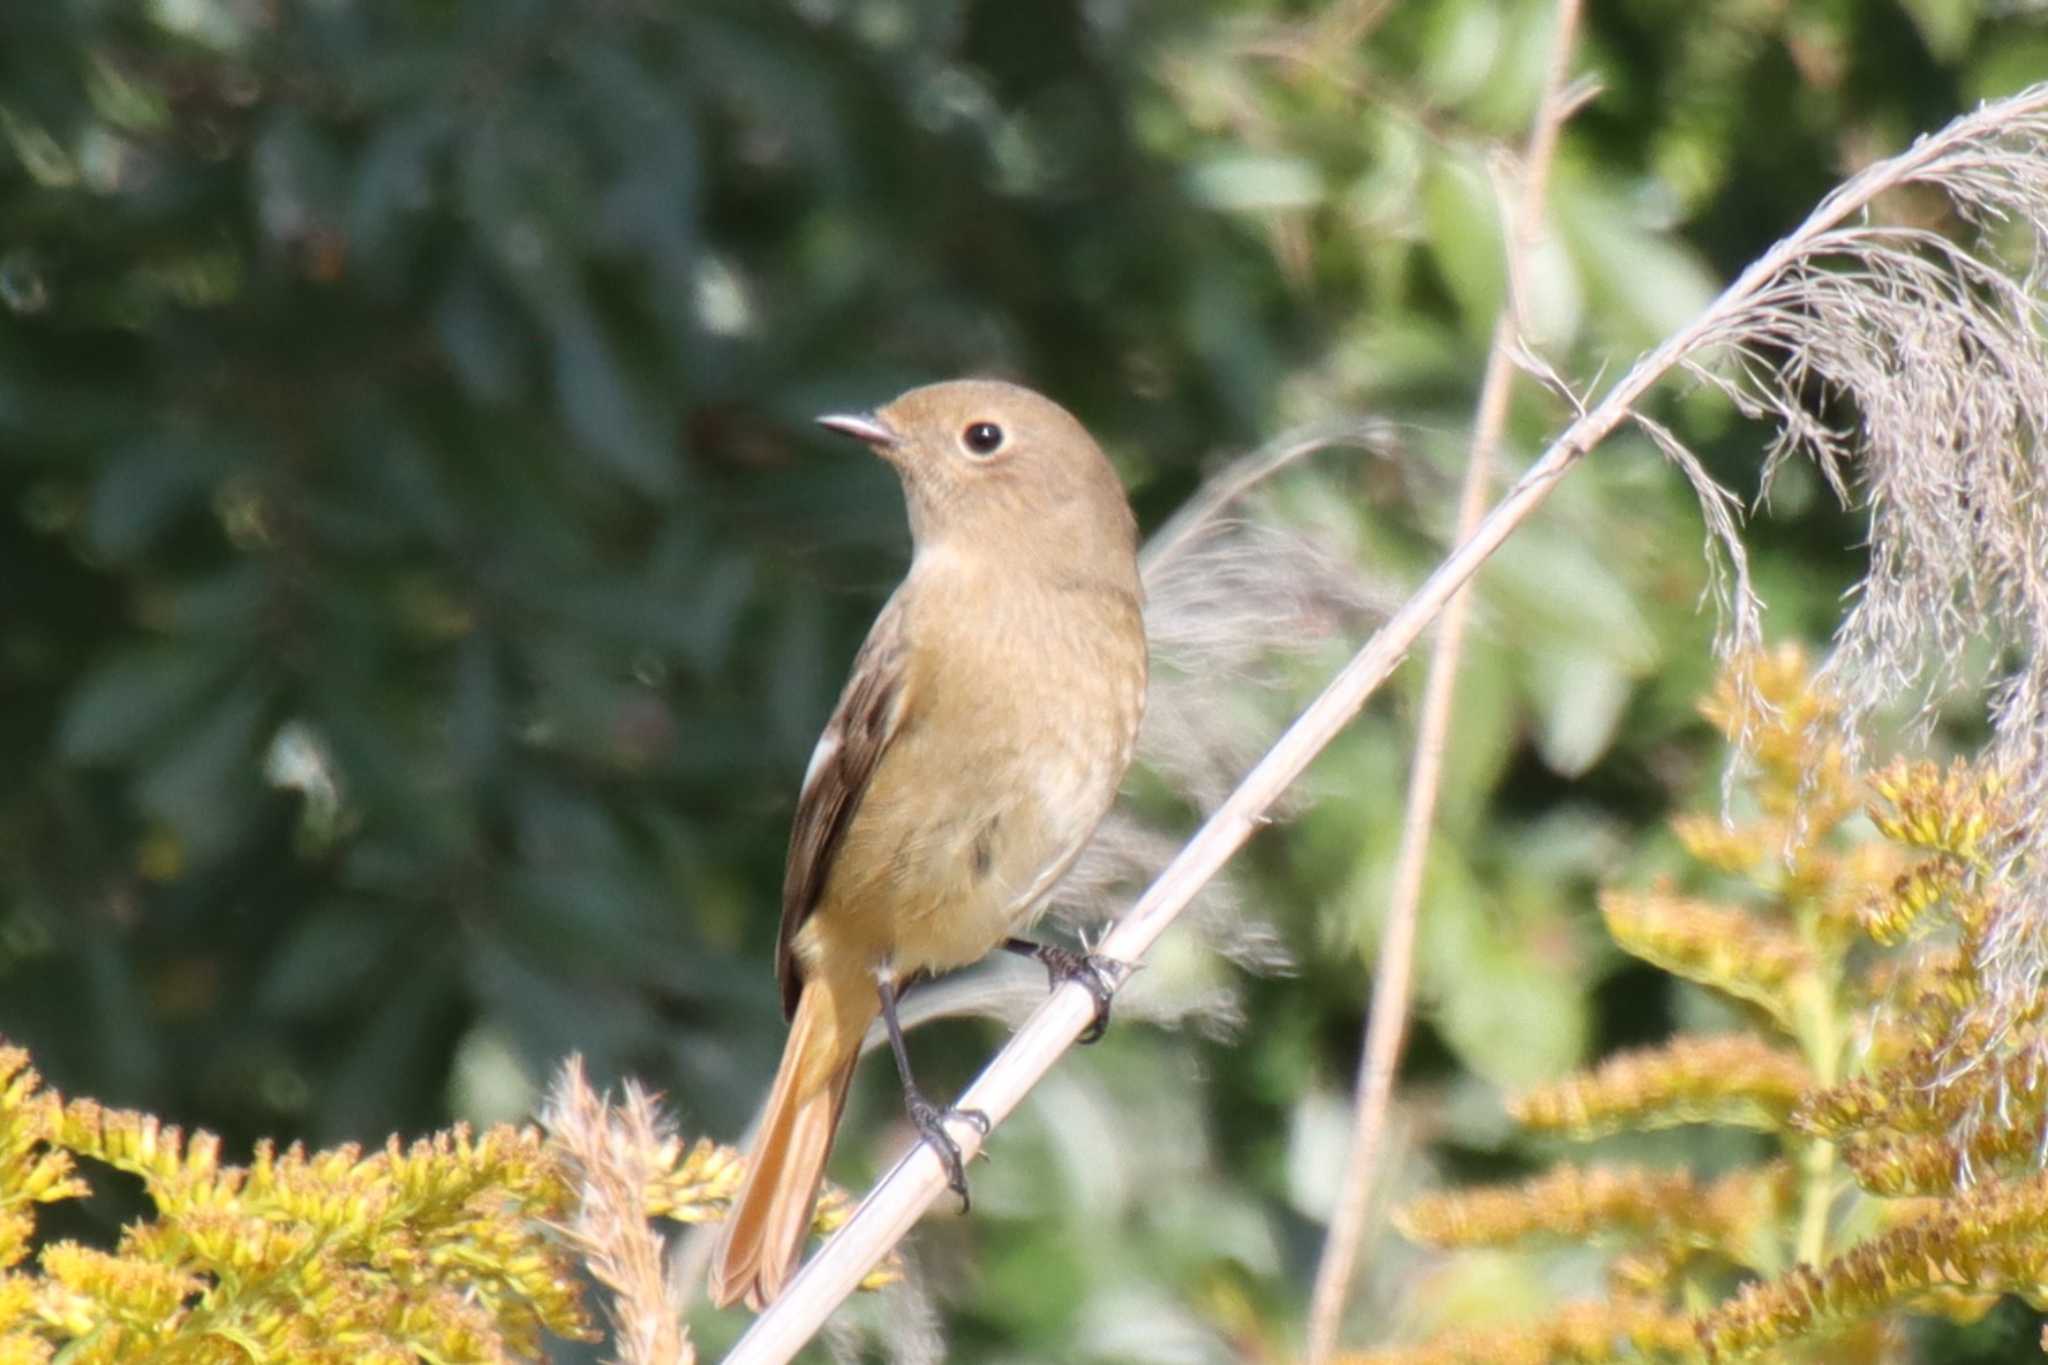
[1858, 1061]
[1724, 947]
[1668, 1210]
[1956, 1259]
[1617, 1329]
[459, 1247]
[437, 1250]
[1737, 1079]
[1945, 1100]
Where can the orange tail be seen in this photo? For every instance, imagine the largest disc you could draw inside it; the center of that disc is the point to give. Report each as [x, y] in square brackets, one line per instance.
[764, 1232]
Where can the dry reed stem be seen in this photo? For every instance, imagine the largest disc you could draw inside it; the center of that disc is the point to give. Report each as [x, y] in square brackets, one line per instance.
[1394, 976]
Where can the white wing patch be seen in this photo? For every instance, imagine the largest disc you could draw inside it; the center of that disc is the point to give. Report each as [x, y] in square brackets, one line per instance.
[826, 749]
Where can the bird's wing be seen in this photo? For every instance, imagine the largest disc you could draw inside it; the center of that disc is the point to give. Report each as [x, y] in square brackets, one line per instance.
[867, 719]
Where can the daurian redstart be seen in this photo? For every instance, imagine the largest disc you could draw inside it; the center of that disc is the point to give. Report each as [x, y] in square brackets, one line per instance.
[981, 737]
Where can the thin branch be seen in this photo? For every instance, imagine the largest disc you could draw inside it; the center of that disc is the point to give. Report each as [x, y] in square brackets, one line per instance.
[1393, 978]
[908, 1189]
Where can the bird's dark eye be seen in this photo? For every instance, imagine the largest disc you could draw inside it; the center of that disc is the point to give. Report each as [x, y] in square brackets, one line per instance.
[983, 438]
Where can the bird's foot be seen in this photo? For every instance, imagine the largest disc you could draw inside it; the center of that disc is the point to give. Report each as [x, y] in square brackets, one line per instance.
[930, 1121]
[1096, 974]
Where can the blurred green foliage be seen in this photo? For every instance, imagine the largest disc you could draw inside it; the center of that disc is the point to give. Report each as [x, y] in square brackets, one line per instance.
[420, 585]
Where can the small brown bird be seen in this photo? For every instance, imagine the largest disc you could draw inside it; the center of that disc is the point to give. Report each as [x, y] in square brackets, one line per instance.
[989, 719]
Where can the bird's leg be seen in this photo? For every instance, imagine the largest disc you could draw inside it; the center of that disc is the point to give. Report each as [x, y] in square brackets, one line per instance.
[1098, 975]
[929, 1118]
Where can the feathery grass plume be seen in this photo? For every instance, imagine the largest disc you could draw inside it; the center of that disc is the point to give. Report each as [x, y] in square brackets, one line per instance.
[1235, 589]
[614, 1159]
[904, 1329]
[1226, 602]
[1847, 1068]
[1910, 364]
[1126, 853]
[623, 1164]
[1010, 990]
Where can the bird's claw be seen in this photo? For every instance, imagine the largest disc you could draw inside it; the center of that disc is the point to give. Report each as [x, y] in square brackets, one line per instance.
[930, 1121]
[1096, 974]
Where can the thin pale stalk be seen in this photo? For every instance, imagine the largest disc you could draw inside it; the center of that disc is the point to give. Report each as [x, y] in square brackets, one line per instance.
[1394, 974]
[900, 1198]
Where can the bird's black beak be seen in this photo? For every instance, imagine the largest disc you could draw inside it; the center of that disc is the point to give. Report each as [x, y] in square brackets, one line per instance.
[861, 426]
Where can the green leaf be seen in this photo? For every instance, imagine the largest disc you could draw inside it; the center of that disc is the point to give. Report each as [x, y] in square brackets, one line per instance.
[476, 708]
[138, 700]
[206, 781]
[1256, 184]
[299, 181]
[1461, 43]
[1580, 698]
[1946, 26]
[1484, 717]
[1637, 276]
[141, 492]
[228, 603]
[1510, 1013]
[1551, 590]
[331, 954]
[1586, 639]
[394, 192]
[1465, 232]
[482, 337]
[604, 412]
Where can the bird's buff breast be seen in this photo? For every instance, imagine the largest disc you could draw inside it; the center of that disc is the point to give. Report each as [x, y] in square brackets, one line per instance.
[1018, 736]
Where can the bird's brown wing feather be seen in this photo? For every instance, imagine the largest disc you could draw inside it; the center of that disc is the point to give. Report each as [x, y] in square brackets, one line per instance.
[867, 719]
